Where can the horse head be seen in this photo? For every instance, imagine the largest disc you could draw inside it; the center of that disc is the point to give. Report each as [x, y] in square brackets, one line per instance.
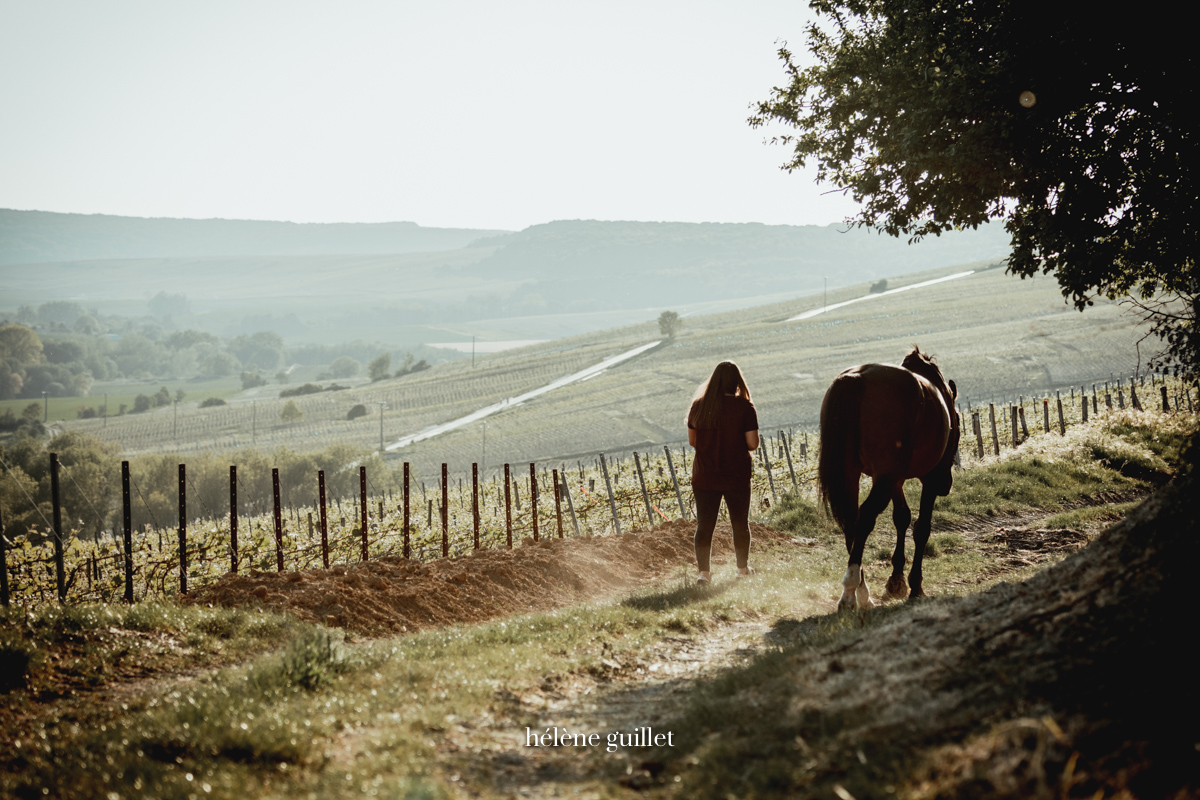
[924, 365]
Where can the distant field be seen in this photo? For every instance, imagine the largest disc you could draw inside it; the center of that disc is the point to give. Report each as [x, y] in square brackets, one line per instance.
[996, 336]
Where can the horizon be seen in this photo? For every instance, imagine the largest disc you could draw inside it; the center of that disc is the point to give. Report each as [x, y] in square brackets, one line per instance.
[420, 225]
[459, 116]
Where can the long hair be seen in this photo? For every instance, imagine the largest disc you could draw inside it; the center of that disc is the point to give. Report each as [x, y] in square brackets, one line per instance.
[706, 404]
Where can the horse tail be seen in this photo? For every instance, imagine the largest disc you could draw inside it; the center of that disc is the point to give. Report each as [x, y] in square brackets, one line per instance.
[839, 446]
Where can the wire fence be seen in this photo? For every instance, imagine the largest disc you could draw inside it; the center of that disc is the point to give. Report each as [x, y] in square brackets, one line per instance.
[462, 512]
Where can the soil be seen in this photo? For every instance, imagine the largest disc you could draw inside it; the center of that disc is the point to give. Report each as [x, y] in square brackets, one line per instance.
[395, 596]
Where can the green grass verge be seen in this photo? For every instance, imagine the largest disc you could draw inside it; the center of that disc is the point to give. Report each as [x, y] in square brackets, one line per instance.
[426, 715]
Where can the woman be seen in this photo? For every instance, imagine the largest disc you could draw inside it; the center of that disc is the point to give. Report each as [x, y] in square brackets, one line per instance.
[723, 427]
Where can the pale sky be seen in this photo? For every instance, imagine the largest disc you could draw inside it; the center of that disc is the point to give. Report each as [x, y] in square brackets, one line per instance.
[449, 114]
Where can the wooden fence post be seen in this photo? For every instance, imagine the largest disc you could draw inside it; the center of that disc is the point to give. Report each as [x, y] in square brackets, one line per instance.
[612, 503]
[323, 517]
[1166, 407]
[407, 548]
[533, 499]
[675, 482]
[978, 434]
[60, 576]
[787, 452]
[1024, 425]
[475, 500]
[1046, 415]
[278, 520]
[445, 513]
[1062, 421]
[557, 502]
[766, 459]
[995, 433]
[566, 488]
[233, 520]
[183, 587]
[127, 519]
[1084, 407]
[642, 482]
[508, 505]
[362, 509]
[1133, 398]
[1016, 436]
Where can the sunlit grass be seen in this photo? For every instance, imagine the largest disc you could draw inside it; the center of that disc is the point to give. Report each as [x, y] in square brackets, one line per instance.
[324, 717]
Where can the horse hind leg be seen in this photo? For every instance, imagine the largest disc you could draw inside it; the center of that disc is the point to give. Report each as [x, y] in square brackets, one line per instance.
[920, 538]
[897, 587]
[855, 593]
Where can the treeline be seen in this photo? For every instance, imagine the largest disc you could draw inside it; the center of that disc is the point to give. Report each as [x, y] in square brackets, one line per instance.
[59, 349]
[90, 490]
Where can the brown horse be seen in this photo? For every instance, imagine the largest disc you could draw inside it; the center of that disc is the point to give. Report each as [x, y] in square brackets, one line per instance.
[892, 423]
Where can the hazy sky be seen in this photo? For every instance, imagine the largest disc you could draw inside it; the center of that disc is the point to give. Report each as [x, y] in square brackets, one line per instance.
[454, 114]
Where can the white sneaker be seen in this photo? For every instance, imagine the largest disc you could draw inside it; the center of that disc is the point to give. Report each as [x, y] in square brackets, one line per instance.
[704, 577]
[745, 572]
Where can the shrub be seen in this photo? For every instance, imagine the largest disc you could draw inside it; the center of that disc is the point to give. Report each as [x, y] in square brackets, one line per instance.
[356, 411]
[211, 401]
[312, 660]
[291, 412]
[252, 379]
[297, 391]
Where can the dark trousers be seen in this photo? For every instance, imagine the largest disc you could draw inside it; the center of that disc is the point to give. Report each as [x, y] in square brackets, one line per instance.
[708, 505]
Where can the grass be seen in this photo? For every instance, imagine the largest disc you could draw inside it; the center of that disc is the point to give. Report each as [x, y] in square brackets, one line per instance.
[1083, 518]
[434, 714]
[55, 649]
[66, 408]
[982, 344]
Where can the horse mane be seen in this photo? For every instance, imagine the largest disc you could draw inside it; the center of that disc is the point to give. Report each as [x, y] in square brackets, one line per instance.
[924, 365]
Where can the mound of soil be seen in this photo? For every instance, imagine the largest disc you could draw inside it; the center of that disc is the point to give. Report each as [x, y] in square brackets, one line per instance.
[394, 595]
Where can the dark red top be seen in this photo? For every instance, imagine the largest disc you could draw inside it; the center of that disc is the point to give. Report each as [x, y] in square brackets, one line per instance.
[722, 461]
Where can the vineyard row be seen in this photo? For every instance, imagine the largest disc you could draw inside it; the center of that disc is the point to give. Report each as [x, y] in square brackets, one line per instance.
[599, 498]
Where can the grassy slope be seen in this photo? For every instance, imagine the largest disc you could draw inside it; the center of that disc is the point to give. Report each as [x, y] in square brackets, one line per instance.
[1027, 344]
[437, 713]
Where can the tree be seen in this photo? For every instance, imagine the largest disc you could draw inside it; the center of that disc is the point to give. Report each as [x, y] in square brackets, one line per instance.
[11, 383]
[218, 365]
[291, 412]
[379, 366]
[166, 305]
[20, 344]
[669, 324]
[344, 367]
[261, 351]
[1075, 129]
[32, 412]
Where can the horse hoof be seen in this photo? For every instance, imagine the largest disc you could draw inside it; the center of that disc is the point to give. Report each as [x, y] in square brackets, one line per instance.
[917, 595]
[846, 604]
[896, 588]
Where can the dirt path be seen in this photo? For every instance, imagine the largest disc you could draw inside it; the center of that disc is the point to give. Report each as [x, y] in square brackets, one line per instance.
[643, 691]
[625, 693]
